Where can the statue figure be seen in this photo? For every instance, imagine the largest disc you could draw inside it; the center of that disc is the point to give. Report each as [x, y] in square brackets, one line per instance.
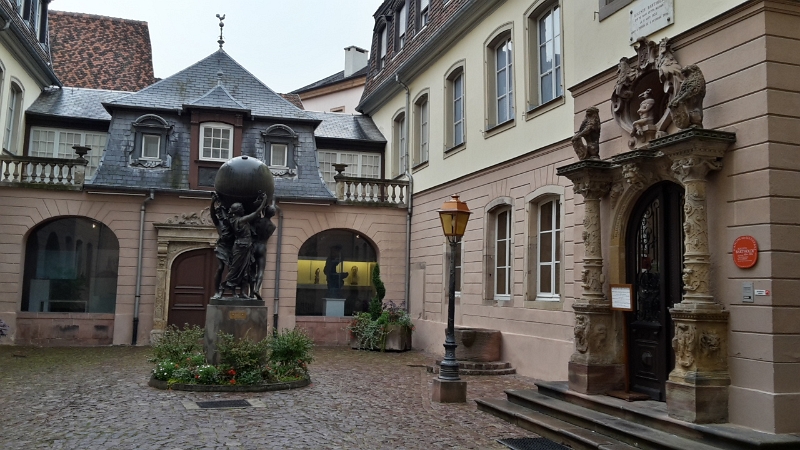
[589, 132]
[242, 255]
[669, 71]
[262, 230]
[687, 106]
[331, 271]
[224, 246]
[354, 275]
[625, 77]
[645, 113]
[316, 276]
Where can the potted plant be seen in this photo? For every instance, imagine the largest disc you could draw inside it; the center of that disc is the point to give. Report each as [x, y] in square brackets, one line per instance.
[384, 327]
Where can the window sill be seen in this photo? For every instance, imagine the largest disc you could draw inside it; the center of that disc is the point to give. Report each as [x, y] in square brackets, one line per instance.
[499, 128]
[456, 149]
[419, 167]
[544, 107]
[550, 303]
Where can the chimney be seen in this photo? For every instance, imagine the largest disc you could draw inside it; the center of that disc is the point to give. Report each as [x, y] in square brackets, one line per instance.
[355, 59]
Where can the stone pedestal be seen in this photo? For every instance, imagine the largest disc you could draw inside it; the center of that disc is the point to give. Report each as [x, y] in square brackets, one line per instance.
[477, 344]
[449, 391]
[334, 307]
[239, 317]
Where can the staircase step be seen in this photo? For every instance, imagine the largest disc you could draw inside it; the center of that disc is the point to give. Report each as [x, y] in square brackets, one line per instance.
[478, 368]
[631, 433]
[654, 414]
[547, 426]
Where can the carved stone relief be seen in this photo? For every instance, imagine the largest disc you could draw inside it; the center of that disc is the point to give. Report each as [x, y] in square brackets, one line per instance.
[586, 142]
[581, 333]
[684, 344]
[196, 218]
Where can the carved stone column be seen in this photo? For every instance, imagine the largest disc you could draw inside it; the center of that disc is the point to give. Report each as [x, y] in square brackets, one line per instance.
[697, 389]
[594, 367]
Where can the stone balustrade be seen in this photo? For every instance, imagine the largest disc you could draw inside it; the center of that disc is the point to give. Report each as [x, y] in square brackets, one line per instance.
[371, 191]
[45, 172]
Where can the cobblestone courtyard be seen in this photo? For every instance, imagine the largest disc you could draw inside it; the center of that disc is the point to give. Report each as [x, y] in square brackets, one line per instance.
[98, 398]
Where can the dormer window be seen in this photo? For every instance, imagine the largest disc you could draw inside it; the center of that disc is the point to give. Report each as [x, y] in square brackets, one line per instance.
[150, 142]
[151, 146]
[216, 141]
[279, 155]
[281, 143]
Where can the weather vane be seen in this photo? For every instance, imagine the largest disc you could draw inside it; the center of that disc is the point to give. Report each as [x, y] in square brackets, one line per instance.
[221, 41]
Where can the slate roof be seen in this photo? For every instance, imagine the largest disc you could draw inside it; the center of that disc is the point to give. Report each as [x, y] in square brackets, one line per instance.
[333, 79]
[74, 103]
[346, 126]
[188, 85]
[218, 98]
[100, 52]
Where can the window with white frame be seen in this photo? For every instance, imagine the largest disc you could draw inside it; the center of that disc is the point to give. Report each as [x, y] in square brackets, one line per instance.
[13, 118]
[401, 27]
[398, 144]
[548, 243]
[359, 164]
[382, 47]
[421, 129]
[216, 141]
[151, 146]
[549, 54]
[454, 114]
[58, 143]
[424, 13]
[502, 254]
[279, 155]
[504, 81]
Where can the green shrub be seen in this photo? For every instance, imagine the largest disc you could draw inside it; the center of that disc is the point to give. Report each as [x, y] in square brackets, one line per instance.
[290, 354]
[241, 355]
[207, 374]
[176, 344]
[163, 370]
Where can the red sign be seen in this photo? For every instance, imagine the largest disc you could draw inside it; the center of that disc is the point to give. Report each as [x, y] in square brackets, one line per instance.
[745, 252]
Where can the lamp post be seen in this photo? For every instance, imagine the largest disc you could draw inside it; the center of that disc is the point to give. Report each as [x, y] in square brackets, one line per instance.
[448, 387]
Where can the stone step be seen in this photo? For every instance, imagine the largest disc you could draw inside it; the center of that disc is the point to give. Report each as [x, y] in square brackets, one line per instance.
[654, 414]
[631, 433]
[478, 368]
[547, 426]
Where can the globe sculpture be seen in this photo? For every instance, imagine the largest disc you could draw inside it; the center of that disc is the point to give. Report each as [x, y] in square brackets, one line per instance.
[241, 179]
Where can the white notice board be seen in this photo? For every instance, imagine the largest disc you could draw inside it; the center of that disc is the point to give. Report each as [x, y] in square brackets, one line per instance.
[622, 297]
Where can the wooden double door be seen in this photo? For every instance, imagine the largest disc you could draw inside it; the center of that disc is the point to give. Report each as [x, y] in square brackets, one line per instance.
[191, 287]
[654, 258]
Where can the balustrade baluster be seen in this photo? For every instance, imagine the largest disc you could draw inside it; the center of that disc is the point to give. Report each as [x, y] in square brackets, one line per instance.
[348, 186]
[52, 177]
[60, 168]
[69, 168]
[5, 170]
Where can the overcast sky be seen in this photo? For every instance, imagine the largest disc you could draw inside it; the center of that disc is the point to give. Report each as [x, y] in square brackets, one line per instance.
[287, 44]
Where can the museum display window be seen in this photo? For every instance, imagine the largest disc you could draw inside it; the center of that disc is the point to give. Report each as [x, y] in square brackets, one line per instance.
[347, 255]
[71, 266]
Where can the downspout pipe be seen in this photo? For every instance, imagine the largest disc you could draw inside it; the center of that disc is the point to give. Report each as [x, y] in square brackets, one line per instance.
[409, 201]
[138, 296]
[279, 212]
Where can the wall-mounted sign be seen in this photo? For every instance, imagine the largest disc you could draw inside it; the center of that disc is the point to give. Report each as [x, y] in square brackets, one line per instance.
[622, 297]
[745, 252]
[649, 16]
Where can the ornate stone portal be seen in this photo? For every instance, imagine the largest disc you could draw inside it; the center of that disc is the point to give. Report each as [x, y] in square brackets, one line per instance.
[653, 96]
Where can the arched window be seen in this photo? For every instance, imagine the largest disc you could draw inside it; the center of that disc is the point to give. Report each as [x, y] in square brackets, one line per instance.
[71, 266]
[334, 274]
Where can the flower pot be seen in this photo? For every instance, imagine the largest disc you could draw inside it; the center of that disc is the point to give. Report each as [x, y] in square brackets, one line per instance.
[398, 338]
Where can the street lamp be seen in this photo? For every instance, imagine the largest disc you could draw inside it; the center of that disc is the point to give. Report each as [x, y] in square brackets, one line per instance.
[448, 387]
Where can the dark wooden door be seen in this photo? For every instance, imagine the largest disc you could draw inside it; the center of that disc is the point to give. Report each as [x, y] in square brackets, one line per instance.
[654, 263]
[191, 286]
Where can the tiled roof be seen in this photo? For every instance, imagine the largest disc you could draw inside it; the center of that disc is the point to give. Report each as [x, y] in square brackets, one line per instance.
[198, 79]
[293, 99]
[333, 79]
[218, 98]
[346, 126]
[101, 52]
[74, 103]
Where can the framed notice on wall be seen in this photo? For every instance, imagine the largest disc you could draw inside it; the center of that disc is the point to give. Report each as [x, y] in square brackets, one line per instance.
[622, 297]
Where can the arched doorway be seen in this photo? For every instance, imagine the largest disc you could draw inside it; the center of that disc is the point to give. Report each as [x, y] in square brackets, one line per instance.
[356, 258]
[191, 286]
[71, 266]
[654, 254]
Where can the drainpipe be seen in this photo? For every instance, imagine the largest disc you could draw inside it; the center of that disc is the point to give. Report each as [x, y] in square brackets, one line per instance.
[408, 194]
[138, 296]
[277, 270]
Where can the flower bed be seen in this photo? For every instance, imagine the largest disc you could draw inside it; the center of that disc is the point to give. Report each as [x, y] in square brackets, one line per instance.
[277, 362]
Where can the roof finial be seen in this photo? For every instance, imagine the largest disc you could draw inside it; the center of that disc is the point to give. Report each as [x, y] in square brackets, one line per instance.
[221, 41]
